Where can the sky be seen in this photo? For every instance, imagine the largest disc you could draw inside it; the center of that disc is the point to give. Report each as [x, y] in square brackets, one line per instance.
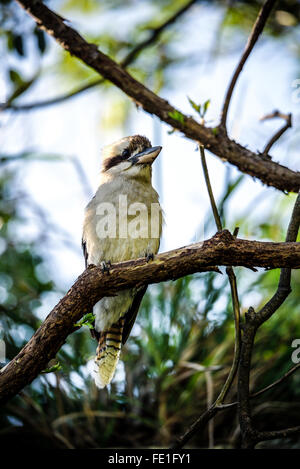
[74, 130]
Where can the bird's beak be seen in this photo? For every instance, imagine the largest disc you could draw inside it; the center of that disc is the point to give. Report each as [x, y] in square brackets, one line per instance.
[145, 157]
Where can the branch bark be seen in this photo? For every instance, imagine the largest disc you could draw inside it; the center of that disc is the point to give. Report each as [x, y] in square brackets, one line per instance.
[215, 140]
[92, 285]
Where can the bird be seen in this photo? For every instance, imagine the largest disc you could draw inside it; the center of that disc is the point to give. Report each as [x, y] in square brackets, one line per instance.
[123, 221]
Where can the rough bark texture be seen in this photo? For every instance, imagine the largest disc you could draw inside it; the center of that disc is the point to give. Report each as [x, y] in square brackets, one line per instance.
[93, 284]
[256, 165]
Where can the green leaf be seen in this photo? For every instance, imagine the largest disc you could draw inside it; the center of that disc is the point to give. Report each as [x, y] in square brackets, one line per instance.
[200, 108]
[54, 368]
[196, 107]
[16, 78]
[87, 320]
[20, 85]
[177, 116]
[206, 106]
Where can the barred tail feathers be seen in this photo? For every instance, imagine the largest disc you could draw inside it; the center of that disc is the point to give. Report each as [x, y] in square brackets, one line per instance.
[108, 353]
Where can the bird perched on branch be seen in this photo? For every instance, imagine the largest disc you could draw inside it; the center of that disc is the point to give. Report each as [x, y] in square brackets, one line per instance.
[123, 221]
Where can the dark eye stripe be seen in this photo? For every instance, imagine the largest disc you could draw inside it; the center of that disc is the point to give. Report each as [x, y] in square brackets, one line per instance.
[136, 143]
[110, 162]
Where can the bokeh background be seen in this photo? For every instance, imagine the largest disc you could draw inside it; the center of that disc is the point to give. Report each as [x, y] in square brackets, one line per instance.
[181, 347]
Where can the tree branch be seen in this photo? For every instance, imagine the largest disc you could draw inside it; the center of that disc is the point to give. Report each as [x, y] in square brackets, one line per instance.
[209, 190]
[267, 388]
[275, 383]
[254, 320]
[254, 35]
[216, 140]
[50, 101]
[198, 425]
[92, 285]
[288, 124]
[233, 288]
[154, 34]
[284, 285]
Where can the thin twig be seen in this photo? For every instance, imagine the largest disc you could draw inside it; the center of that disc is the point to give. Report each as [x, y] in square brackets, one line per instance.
[209, 189]
[278, 381]
[267, 388]
[50, 101]
[198, 425]
[274, 435]
[218, 404]
[288, 124]
[284, 287]
[254, 35]
[233, 287]
[154, 34]
[237, 342]
[210, 397]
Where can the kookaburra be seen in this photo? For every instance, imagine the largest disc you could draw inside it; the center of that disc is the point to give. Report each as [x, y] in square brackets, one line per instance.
[123, 221]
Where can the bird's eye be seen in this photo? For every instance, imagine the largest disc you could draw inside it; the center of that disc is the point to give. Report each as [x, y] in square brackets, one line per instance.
[125, 153]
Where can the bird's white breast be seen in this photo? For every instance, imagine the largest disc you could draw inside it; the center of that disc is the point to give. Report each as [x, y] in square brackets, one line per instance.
[118, 249]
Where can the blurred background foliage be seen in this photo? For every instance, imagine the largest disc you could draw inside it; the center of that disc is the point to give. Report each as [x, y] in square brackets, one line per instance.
[181, 349]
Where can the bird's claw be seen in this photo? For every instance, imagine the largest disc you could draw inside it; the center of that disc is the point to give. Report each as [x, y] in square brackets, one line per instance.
[105, 266]
[149, 257]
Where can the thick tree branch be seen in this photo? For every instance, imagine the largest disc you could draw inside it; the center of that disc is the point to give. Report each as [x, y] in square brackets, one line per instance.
[92, 285]
[269, 172]
[254, 35]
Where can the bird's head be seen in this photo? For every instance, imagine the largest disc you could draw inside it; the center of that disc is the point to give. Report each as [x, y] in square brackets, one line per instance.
[130, 157]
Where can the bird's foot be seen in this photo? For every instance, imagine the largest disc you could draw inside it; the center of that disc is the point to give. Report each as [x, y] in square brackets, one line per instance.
[149, 256]
[105, 266]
